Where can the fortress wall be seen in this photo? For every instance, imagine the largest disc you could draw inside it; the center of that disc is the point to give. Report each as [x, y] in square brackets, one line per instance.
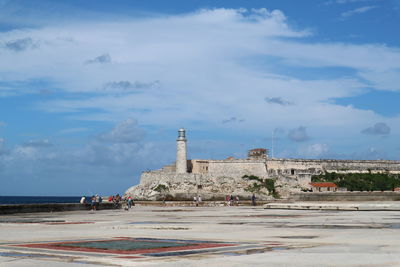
[285, 166]
[237, 168]
[148, 178]
[199, 166]
[288, 166]
[362, 166]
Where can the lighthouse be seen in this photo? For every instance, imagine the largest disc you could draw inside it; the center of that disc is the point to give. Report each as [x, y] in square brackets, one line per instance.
[181, 157]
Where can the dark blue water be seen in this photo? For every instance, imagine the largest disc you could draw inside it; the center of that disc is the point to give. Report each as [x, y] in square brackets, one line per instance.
[37, 199]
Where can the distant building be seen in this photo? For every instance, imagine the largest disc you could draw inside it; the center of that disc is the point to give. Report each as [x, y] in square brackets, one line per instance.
[258, 153]
[323, 187]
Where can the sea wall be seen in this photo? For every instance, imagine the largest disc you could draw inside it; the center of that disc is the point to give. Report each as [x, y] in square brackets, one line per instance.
[48, 207]
[346, 196]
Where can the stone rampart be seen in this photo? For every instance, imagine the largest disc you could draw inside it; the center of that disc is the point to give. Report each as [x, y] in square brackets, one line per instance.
[295, 166]
[238, 168]
[148, 178]
[346, 196]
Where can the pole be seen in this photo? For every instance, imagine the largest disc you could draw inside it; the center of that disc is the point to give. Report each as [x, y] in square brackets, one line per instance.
[272, 149]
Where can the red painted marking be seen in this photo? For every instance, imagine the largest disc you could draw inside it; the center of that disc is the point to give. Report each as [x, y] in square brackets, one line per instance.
[55, 246]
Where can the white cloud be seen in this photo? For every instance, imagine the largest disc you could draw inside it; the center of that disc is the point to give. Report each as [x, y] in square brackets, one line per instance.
[124, 132]
[2, 141]
[207, 68]
[347, 1]
[38, 143]
[315, 151]
[359, 10]
[386, 79]
[97, 166]
[298, 134]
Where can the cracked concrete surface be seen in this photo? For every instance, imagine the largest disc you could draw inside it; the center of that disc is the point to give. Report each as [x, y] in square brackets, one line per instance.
[262, 237]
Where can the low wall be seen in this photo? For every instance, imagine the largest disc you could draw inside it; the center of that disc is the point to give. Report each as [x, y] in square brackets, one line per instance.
[49, 207]
[346, 196]
[192, 203]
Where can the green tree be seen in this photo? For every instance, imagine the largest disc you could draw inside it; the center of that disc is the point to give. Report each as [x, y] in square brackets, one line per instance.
[361, 181]
[259, 184]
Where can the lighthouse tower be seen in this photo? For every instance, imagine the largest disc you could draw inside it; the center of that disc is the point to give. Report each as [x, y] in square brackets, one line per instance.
[181, 157]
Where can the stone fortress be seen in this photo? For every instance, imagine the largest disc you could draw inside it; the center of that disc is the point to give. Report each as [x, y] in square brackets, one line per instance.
[214, 179]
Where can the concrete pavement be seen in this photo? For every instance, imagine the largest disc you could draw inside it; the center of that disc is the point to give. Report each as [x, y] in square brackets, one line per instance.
[201, 236]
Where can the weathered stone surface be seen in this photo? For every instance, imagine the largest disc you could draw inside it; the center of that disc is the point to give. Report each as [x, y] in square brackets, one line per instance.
[224, 177]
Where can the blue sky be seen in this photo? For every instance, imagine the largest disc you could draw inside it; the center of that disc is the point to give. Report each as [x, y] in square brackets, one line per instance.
[93, 92]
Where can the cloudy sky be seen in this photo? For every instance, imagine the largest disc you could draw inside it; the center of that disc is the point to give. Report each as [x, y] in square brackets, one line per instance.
[93, 92]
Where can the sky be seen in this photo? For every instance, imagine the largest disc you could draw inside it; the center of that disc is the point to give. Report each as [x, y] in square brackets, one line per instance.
[92, 93]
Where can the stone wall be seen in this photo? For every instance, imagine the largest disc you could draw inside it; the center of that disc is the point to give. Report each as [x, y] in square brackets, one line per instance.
[346, 196]
[238, 167]
[199, 166]
[297, 166]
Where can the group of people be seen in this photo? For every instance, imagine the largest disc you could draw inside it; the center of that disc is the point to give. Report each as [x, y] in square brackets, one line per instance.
[95, 201]
[232, 201]
[115, 200]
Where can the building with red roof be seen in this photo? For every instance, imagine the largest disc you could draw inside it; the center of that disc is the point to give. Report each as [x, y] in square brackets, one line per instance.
[323, 187]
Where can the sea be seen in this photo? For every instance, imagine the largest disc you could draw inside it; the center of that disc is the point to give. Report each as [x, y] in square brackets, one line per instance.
[38, 199]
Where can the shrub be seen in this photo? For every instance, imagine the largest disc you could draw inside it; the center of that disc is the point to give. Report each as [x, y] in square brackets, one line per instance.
[360, 181]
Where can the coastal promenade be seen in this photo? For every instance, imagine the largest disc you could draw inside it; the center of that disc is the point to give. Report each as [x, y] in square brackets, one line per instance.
[202, 236]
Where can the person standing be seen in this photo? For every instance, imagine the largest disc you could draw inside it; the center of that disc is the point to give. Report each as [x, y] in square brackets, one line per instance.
[97, 201]
[83, 200]
[93, 202]
[253, 200]
[129, 202]
[237, 200]
[117, 199]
